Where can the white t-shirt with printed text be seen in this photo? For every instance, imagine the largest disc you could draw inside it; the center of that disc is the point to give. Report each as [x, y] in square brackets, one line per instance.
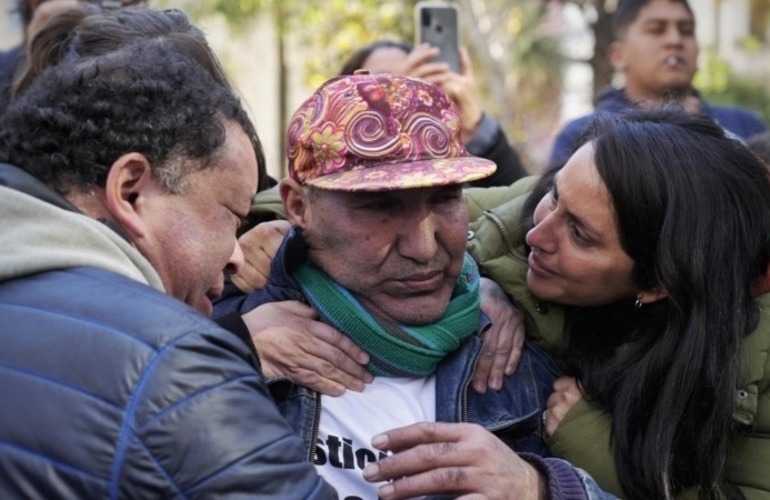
[348, 423]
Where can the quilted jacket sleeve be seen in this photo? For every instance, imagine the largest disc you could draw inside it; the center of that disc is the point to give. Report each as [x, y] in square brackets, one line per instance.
[480, 199]
[748, 459]
[201, 419]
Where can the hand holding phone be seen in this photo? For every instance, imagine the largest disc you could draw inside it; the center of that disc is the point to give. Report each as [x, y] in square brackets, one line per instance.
[437, 24]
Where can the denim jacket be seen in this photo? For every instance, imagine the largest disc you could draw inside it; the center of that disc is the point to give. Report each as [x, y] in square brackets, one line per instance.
[513, 414]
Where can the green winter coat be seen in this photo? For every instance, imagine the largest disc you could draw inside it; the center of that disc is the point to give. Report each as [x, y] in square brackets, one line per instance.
[496, 241]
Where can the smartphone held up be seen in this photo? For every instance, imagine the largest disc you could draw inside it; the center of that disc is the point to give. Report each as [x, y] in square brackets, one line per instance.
[437, 23]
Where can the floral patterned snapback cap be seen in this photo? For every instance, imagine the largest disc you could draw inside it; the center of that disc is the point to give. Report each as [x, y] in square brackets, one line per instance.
[379, 132]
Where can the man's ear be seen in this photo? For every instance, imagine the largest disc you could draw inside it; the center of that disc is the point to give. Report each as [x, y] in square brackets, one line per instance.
[295, 201]
[129, 181]
[617, 56]
[652, 295]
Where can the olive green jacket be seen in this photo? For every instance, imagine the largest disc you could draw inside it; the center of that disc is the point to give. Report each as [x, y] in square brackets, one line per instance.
[265, 206]
[496, 241]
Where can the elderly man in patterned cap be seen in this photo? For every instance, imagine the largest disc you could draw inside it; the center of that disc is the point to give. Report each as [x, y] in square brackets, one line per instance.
[377, 246]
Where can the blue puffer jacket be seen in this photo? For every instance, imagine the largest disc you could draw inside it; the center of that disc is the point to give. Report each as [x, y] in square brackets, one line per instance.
[110, 388]
[738, 121]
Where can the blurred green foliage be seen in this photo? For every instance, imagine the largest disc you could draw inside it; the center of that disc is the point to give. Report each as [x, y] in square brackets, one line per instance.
[719, 84]
[326, 31]
[517, 64]
[515, 52]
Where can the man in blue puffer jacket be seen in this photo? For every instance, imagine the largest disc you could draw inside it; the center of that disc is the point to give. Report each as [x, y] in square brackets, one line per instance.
[125, 176]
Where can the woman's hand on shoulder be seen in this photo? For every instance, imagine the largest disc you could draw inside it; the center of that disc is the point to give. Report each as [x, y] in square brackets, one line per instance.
[566, 393]
[292, 343]
[259, 245]
[503, 341]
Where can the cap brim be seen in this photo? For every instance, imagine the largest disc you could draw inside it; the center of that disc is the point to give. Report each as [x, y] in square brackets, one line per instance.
[407, 175]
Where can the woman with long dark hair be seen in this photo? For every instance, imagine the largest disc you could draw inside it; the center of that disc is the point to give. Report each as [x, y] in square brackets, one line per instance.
[648, 246]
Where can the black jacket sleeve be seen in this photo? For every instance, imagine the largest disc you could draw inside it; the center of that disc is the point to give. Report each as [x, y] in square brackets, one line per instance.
[491, 143]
